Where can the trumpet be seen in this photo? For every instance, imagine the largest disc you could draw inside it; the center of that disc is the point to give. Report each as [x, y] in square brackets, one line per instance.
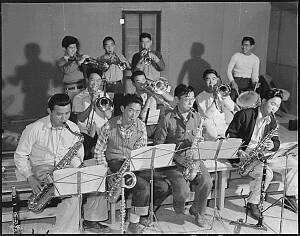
[121, 64]
[104, 104]
[145, 55]
[220, 92]
[104, 66]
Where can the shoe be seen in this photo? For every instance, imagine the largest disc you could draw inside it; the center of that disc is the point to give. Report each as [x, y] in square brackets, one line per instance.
[145, 220]
[135, 228]
[200, 219]
[253, 209]
[96, 227]
[291, 203]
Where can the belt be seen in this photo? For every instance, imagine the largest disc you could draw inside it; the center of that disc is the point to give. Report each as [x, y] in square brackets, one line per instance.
[115, 82]
[74, 87]
[241, 78]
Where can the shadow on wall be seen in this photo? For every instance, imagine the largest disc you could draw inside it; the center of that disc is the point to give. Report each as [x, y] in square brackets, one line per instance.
[35, 77]
[194, 68]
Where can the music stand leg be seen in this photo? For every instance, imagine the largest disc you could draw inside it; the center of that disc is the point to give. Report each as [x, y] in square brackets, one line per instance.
[79, 200]
[216, 213]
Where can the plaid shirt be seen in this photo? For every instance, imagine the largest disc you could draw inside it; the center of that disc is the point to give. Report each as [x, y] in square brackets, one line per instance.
[123, 139]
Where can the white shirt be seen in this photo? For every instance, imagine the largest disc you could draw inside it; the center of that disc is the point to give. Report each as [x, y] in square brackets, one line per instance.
[40, 143]
[245, 66]
[152, 105]
[80, 103]
[258, 131]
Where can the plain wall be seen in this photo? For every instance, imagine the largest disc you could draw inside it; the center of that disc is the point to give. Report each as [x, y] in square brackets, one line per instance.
[194, 36]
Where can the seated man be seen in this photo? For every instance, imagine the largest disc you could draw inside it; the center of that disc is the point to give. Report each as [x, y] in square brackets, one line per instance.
[251, 125]
[42, 145]
[180, 126]
[90, 116]
[150, 99]
[217, 110]
[117, 138]
[90, 119]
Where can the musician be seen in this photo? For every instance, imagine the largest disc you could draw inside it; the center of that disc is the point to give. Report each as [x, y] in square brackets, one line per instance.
[71, 65]
[179, 126]
[218, 111]
[157, 64]
[149, 97]
[114, 74]
[251, 125]
[117, 138]
[243, 68]
[91, 117]
[42, 145]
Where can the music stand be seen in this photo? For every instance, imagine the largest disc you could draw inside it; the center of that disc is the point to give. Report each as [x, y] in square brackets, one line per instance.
[152, 157]
[77, 181]
[260, 225]
[224, 150]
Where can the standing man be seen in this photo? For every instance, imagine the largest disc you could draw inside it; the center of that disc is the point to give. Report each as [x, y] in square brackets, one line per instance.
[71, 66]
[180, 127]
[117, 64]
[243, 68]
[154, 63]
[252, 125]
[117, 138]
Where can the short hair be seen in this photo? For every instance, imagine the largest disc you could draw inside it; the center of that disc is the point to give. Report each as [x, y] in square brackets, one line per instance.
[145, 35]
[106, 39]
[68, 40]
[92, 70]
[183, 89]
[136, 73]
[271, 93]
[132, 98]
[248, 38]
[210, 71]
[59, 99]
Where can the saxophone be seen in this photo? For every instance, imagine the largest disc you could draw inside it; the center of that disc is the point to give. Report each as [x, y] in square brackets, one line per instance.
[192, 167]
[255, 156]
[37, 202]
[115, 182]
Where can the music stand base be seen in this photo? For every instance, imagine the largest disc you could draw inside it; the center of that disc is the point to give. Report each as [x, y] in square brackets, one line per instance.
[253, 226]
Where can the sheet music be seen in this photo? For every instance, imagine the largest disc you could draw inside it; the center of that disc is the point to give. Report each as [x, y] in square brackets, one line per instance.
[153, 117]
[207, 149]
[92, 180]
[141, 158]
[284, 147]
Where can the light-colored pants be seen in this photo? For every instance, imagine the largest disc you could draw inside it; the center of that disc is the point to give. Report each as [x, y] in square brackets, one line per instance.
[276, 165]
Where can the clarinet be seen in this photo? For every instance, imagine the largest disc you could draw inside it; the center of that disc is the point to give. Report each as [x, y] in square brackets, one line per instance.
[15, 212]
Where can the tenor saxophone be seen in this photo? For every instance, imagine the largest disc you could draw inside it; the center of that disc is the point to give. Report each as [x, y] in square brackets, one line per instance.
[192, 167]
[37, 202]
[255, 156]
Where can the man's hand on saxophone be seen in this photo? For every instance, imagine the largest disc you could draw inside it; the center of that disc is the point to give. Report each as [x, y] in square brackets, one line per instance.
[34, 184]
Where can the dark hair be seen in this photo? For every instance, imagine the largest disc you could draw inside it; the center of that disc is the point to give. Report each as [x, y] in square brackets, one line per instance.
[59, 99]
[210, 71]
[68, 40]
[132, 98]
[106, 39]
[136, 73]
[182, 89]
[248, 38]
[92, 70]
[271, 93]
[145, 35]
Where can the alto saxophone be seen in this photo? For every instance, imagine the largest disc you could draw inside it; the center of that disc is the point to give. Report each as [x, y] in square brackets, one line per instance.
[192, 167]
[255, 156]
[37, 202]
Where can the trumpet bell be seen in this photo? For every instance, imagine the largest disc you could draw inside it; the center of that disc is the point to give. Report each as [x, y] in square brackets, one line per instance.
[122, 65]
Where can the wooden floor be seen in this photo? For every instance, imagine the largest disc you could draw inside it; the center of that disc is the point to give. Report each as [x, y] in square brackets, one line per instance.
[170, 223]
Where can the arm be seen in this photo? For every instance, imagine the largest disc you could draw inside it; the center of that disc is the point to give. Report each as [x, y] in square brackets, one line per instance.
[157, 60]
[101, 145]
[123, 59]
[255, 71]
[135, 59]
[234, 127]
[67, 66]
[161, 131]
[230, 67]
